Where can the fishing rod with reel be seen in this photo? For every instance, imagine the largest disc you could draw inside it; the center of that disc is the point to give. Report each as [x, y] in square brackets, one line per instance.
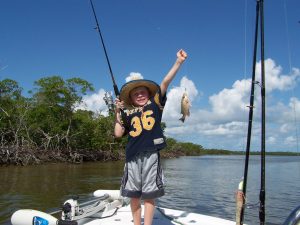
[262, 195]
[259, 17]
[116, 89]
[250, 117]
[108, 97]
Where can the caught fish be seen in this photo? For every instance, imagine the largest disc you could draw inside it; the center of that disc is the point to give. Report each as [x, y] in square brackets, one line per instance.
[185, 107]
[240, 200]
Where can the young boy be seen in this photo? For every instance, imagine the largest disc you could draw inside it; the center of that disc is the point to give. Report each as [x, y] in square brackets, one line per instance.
[144, 101]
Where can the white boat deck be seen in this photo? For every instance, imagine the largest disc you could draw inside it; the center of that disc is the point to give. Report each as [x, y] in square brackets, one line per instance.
[113, 213]
[124, 217]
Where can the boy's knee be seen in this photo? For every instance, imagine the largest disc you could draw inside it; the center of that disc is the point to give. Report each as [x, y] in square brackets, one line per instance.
[135, 201]
[149, 201]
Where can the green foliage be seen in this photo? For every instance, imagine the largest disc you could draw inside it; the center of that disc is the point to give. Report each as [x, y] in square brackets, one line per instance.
[191, 149]
[54, 92]
[9, 90]
[47, 122]
[52, 112]
[13, 109]
[185, 148]
[104, 133]
[163, 126]
[83, 126]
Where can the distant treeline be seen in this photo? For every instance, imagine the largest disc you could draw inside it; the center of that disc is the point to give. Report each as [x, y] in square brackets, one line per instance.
[45, 127]
[230, 152]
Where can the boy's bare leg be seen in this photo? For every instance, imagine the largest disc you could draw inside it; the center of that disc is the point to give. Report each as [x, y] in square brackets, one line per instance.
[149, 211]
[136, 210]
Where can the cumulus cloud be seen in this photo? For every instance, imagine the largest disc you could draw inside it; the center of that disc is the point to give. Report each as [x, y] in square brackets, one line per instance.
[271, 140]
[295, 104]
[94, 102]
[290, 141]
[275, 80]
[285, 128]
[231, 103]
[133, 76]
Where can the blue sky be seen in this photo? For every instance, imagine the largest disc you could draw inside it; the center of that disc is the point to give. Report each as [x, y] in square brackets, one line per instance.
[57, 37]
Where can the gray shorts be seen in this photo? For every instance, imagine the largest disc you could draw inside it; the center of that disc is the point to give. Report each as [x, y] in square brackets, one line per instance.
[143, 177]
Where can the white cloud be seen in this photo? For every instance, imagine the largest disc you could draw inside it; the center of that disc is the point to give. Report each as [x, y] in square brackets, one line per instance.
[285, 128]
[133, 76]
[290, 141]
[275, 80]
[230, 103]
[271, 140]
[225, 129]
[288, 114]
[94, 103]
[295, 105]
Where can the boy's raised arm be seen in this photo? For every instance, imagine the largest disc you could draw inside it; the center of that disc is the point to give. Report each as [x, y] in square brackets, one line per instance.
[181, 56]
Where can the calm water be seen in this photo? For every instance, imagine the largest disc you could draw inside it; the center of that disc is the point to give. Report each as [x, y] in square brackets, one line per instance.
[203, 184]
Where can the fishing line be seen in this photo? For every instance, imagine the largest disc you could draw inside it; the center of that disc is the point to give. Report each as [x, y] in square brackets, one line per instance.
[290, 65]
[245, 39]
[287, 36]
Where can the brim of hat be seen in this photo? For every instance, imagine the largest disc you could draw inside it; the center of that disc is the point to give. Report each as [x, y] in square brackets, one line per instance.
[129, 86]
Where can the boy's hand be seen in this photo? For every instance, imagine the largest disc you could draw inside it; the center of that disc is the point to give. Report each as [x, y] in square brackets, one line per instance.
[181, 55]
[119, 105]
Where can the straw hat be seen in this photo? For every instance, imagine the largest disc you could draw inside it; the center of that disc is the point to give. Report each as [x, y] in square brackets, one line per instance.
[129, 86]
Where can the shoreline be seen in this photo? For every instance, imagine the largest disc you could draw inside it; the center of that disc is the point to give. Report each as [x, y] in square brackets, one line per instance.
[24, 157]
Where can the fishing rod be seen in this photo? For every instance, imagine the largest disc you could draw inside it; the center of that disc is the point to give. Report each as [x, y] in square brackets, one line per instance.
[259, 14]
[116, 89]
[263, 120]
[251, 107]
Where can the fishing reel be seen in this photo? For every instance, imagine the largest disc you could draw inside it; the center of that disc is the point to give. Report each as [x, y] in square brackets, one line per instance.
[70, 209]
[109, 101]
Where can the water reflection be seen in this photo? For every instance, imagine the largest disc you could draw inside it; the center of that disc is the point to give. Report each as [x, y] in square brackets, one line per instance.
[46, 187]
[204, 185]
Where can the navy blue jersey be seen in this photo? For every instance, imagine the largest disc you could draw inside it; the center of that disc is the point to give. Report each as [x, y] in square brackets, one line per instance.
[144, 130]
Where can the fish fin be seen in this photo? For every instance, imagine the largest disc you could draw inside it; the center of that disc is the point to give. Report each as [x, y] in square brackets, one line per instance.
[188, 113]
[182, 119]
